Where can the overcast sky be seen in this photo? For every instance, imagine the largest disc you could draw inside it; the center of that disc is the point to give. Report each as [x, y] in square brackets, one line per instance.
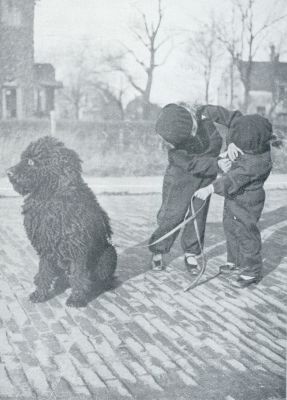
[62, 25]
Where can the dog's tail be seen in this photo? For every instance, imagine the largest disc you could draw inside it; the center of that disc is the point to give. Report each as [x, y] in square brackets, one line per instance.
[106, 265]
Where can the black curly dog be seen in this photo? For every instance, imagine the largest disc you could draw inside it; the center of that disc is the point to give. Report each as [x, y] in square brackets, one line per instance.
[64, 222]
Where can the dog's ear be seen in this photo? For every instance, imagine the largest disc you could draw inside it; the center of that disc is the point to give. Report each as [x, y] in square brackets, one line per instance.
[71, 164]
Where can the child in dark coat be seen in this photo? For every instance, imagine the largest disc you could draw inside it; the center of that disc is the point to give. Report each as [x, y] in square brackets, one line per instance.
[243, 190]
[193, 163]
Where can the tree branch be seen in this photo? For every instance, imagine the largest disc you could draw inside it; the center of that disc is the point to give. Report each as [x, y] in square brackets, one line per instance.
[139, 61]
[268, 25]
[162, 42]
[147, 30]
[160, 16]
[140, 38]
[131, 79]
[165, 58]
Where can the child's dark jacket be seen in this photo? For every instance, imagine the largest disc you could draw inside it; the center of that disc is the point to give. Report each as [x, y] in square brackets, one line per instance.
[244, 195]
[251, 133]
[192, 165]
[242, 186]
[198, 157]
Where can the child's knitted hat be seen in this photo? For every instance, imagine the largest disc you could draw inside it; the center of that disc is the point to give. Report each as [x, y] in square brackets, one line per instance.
[251, 133]
[174, 124]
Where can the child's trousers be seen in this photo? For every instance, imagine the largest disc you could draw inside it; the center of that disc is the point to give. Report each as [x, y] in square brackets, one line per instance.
[243, 239]
[178, 189]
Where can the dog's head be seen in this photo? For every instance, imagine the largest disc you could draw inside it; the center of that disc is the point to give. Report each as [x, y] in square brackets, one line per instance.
[45, 163]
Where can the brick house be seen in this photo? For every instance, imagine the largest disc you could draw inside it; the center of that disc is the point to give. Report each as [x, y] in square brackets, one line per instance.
[268, 88]
[27, 89]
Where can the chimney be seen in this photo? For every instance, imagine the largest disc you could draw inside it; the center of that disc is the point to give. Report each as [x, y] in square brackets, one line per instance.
[274, 57]
[272, 53]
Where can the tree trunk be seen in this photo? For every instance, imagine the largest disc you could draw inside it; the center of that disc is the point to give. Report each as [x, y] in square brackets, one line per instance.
[246, 99]
[77, 111]
[146, 97]
[122, 111]
[246, 83]
[147, 92]
[206, 93]
[207, 82]
[231, 84]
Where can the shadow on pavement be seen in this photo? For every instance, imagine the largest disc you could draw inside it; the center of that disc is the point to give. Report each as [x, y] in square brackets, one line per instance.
[136, 260]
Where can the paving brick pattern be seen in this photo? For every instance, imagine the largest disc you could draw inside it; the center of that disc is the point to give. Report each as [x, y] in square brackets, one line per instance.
[147, 338]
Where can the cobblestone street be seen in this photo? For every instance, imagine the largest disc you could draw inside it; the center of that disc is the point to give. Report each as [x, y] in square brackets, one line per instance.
[146, 338]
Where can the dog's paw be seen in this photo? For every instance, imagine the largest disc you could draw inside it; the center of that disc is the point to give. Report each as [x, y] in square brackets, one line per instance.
[38, 297]
[37, 278]
[61, 284]
[76, 302]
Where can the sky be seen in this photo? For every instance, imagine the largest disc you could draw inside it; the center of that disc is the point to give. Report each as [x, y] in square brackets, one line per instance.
[63, 26]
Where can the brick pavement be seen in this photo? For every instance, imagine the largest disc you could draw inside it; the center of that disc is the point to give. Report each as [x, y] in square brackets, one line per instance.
[146, 339]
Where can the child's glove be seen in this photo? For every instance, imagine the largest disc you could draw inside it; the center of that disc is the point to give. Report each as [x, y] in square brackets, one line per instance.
[224, 164]
[233, 151]
[203, 193]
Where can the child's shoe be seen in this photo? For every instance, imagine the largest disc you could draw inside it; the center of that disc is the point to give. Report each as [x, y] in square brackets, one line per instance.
[228, 268]
[244, 281]
[191, 263]
[157, 262]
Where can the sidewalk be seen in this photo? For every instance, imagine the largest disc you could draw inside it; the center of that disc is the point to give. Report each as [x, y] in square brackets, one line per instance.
[147, 339]
[138, 184]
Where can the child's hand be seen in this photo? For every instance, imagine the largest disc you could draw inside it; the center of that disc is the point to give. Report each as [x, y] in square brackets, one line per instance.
[224, 164]
[233, 151]
[203, 193]
[223, 155]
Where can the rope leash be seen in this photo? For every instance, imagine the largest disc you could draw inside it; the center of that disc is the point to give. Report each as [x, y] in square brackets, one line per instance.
[179, 227]
[202, 254]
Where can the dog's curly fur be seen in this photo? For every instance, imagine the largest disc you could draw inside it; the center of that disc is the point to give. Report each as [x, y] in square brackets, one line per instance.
[64, 221]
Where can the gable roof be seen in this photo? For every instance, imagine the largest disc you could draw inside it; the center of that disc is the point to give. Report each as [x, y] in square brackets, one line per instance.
[263, 73]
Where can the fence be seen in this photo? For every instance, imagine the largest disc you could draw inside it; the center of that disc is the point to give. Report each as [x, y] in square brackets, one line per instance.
[106, 148]
[116, 148]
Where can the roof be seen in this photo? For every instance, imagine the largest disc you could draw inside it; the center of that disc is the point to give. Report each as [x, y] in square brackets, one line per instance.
[44, 75]
[262, 74]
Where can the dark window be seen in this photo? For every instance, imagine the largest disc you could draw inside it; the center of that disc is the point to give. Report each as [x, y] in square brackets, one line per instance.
[10, 102]
[11, 13]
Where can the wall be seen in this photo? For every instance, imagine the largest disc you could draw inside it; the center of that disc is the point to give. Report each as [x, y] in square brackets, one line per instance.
[16, 50]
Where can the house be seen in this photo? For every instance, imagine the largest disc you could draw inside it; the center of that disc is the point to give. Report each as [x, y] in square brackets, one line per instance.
[134, 110]
[268, 87]
[27, 89]
[45, 85]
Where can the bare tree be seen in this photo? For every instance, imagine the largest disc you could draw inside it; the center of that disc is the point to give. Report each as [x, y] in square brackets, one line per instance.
[148, 36]
[243, 40]
[204, 51]
[76, 83]
[278, 97]
[226, 34]
[112, 95]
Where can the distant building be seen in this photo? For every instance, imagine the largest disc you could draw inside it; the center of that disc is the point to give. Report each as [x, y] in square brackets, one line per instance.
[268, 87]
[27, 89]
[134, 110]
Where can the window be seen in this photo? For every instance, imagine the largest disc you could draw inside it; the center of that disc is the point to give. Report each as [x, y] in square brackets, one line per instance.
[9, 103]
[11, 13]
